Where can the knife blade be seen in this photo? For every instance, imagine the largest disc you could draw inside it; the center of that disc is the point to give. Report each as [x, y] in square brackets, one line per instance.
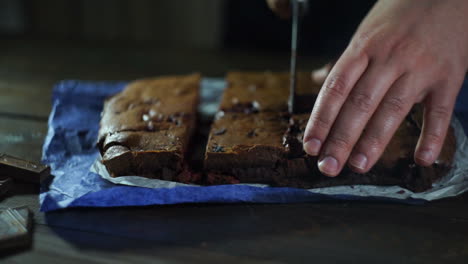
[298, 8]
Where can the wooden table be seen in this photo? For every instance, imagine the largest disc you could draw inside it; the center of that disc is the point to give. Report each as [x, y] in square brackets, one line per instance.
[332, 232]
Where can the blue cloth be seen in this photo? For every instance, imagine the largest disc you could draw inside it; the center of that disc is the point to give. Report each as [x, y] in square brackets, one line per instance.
[70, 150]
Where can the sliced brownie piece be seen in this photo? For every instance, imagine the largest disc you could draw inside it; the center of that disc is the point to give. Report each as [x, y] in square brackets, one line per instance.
[145, 129]
[245, 147]
[395, 167]
[153, 154]
[251, 92]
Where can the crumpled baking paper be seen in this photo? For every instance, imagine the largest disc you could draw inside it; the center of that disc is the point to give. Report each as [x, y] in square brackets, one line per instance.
[80, 180]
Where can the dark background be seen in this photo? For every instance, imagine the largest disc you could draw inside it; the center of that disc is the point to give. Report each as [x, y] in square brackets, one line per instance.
[189, 24]
[45, 41]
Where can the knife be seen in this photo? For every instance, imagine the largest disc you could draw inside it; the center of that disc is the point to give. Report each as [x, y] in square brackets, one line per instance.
[298, 8]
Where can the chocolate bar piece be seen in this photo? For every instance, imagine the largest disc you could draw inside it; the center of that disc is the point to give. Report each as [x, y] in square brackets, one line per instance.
[252, 92]
[22, 170]
[145, 130]
[15, 228]
[266, 147]
[5, 186]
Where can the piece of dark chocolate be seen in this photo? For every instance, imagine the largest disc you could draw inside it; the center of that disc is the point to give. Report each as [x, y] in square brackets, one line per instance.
[15, 228]
[5, 186]
[22, 170]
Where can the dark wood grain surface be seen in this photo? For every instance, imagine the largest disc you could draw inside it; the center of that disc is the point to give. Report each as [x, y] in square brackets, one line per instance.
[331, 232]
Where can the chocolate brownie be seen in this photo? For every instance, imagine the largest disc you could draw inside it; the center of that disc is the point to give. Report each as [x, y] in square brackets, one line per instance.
[146, 103]
[245, 147]
[265, 91]
[146, 128]
[265, 146]
[396, 166]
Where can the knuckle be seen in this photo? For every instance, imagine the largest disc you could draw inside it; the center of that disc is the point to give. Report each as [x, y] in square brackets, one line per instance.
[439, 112]
[340, 142]
[433, 138]
[425, 60]
[395, 105]
[449, 70]
[363, 41]
[409, 45]
[368, 42]
[320, 122]
[372, 142]
[336, 86]
[361, 101]
[445, 74]
[416, 54]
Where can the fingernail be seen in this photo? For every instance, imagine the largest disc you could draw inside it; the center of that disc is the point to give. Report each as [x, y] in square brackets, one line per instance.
[328, 166]
[359, 161]
[425, 156]
[312, 147]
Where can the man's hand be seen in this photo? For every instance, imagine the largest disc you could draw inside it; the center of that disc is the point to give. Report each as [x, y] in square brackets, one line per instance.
[403, 52]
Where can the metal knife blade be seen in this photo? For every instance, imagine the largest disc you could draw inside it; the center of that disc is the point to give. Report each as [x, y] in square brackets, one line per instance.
[298, 8]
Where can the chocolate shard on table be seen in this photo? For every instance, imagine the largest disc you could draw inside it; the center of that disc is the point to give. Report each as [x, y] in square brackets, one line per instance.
[265, 146]
[145, 130]
[5, 186]
[21, 170]
[15, 228]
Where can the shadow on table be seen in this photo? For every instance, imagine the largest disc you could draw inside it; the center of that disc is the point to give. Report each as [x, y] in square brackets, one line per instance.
[288, 232]
[181, 225]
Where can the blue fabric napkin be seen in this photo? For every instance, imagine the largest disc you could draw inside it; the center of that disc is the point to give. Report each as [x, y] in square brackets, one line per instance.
[70, 150]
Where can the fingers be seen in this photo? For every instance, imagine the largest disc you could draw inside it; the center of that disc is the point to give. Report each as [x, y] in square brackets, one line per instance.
[333, 94]
[438, 108]
[354, 115]
[281, 7]
[384, 123]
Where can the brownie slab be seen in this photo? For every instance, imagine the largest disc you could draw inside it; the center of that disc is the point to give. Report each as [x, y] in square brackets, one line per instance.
[275, 155]
[145, 129]
[265, 145]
